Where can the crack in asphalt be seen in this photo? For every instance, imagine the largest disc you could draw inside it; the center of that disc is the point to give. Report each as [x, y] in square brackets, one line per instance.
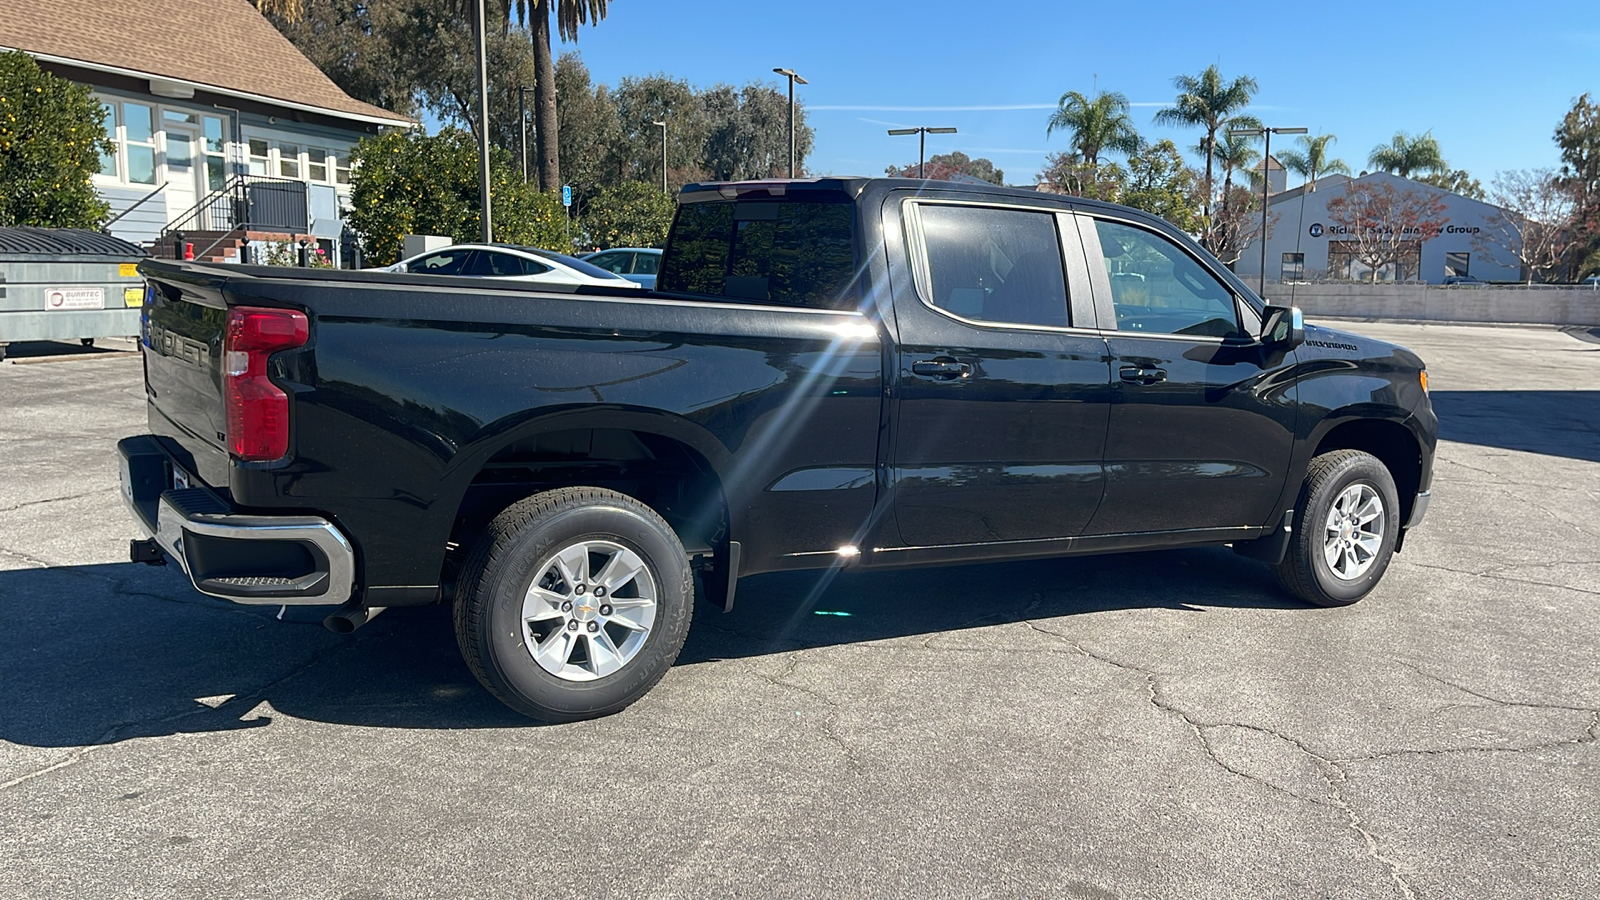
[1493, 572]
[244, 702]
[1337, 799]
[830, 731]
[27, 503]
[34, 561]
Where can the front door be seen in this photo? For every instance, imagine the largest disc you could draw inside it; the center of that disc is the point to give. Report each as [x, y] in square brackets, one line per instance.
[1202, 420]
[183, 162]
[1002, 385]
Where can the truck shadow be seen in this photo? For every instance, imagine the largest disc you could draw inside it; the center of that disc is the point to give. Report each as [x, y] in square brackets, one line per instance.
[1556, 423]
[108, 653]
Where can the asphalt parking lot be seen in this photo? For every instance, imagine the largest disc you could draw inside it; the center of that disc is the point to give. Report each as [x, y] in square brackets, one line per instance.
[1148, 725]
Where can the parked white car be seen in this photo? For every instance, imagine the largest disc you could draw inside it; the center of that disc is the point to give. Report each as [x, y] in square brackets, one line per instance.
[633, 263]
[508, 261]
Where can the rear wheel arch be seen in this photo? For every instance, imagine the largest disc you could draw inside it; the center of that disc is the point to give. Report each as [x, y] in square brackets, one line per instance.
[670, 464]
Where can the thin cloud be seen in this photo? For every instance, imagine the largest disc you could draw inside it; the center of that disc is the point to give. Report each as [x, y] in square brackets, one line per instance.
[881, 122]
[994, 108]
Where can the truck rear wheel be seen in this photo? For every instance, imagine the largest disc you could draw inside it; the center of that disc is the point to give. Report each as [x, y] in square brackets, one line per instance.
[1345, 527]
[573, 603]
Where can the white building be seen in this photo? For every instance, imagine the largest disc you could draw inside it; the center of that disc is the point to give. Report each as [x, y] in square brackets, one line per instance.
[1304, 243]
[222, 129]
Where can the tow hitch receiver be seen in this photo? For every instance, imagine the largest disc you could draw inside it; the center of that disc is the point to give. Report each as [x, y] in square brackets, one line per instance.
[146, 551]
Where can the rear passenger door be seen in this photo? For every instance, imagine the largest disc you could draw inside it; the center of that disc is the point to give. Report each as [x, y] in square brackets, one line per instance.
[1202, 421]
[1002, 382]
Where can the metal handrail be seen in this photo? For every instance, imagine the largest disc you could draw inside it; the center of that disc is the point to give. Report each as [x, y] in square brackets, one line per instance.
[106, 228]
[235, 206]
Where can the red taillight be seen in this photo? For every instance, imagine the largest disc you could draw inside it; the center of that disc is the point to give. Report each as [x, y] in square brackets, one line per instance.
[258, 410]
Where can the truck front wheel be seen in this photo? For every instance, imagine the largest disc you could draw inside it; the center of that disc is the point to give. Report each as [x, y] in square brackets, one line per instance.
[573, 603]
[1345, 526]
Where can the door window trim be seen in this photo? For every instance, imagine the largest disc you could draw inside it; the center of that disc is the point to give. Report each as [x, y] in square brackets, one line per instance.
[1095, 257]
[1080, 305]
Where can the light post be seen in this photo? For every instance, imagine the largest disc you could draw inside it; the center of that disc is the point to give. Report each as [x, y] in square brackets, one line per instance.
[522, 122]
[793, 77]
[663, 124]
[483, 121]
[1266, 183]
[922, 140]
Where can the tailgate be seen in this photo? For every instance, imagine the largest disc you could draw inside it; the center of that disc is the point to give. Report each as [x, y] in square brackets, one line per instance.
[185, 316]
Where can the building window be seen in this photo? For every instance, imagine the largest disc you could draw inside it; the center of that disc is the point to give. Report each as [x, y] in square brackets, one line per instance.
[341, 166]
[216, 149]
[1455, 264]
[139, 142]
[109, 162]
[259, 162]
[1294, 267]
[289, 160]
[316, 164]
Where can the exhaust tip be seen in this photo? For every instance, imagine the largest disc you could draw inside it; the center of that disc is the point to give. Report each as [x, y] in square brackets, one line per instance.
[346, 620]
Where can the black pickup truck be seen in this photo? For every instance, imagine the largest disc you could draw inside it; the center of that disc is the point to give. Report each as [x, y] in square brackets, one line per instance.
[831, 372]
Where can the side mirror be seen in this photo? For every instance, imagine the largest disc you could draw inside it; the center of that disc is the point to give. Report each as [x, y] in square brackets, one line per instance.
[1283, 327]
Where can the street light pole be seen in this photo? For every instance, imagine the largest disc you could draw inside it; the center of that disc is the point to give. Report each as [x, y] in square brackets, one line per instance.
[793, 77]
[663, 124]
[1266, 184]
[483, 122]
[922, 133]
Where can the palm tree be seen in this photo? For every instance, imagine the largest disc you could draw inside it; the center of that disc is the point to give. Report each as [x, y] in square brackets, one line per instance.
[1096, 125]
[1207, 102]
[1312, 161]
[569, 15]
[1234, 153]
[1406, 154]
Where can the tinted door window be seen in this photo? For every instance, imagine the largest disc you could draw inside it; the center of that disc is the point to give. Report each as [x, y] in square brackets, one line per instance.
[445, 262]
[790, 253]
[1158, 288]
[646, 263]
[503, 265]
[995, 265]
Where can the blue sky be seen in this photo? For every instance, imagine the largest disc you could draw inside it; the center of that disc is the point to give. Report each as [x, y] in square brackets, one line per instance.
[1491, 80]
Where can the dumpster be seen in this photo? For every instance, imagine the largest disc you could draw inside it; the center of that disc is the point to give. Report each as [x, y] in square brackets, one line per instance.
[64, 283]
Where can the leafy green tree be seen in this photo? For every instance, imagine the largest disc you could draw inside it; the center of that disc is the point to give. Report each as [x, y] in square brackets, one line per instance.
[1578, 136]
[52, 137]
[407, 182]
[589, 129]
[1456, 181]
[1311, 160]
[747, 132]
[1209, 102]
[641, 102]
[569, 14]
[947, 166]
[1066, 173]
[1234, 153]
[1160, 182]
[634, 214]
[356, 43]
[1097, 124]
[1405, 154]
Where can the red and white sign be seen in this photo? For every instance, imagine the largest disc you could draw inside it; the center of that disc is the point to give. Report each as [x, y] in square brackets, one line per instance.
[74, 298]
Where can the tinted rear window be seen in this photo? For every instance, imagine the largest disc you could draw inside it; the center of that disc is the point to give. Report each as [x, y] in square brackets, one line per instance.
[789, 253]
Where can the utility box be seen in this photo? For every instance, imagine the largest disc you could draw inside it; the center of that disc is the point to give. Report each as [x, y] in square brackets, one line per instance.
[64, 283]
[418, 244]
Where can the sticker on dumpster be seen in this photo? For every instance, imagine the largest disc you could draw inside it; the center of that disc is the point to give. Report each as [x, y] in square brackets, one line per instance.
[128, 270]
[75, 298]
[133, 296]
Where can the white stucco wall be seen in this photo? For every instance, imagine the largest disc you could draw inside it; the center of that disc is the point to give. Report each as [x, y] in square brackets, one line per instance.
[1303, 225]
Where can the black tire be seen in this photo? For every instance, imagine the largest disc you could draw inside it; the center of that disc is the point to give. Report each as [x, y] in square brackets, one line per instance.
[1305, 571]
[515, 550]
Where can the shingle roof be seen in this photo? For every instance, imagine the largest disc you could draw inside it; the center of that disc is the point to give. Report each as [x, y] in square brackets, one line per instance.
[224, 44]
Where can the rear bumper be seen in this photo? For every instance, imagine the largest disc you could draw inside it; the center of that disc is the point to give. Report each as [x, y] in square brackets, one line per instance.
[266, 560]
